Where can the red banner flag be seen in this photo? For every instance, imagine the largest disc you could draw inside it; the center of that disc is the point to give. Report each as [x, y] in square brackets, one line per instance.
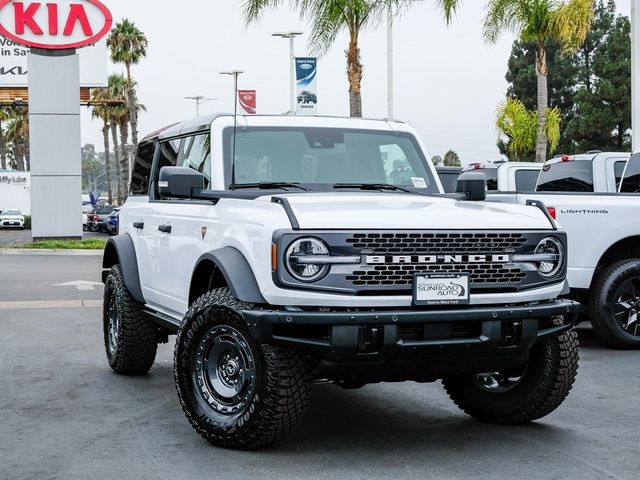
[247, 101]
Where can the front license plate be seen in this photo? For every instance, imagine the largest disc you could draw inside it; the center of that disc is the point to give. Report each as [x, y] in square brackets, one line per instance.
[440, 289]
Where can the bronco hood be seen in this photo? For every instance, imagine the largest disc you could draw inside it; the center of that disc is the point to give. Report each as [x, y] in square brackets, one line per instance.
[355, 210]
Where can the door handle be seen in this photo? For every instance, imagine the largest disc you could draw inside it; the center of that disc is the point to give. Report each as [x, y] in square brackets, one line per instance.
[138, 225]
[164, 228]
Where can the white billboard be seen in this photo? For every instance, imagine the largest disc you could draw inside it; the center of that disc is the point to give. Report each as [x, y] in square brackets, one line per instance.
[13, 64]
[15, 191]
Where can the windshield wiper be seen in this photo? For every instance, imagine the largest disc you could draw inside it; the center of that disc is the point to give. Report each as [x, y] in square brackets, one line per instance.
[269, 185]
[372, 186]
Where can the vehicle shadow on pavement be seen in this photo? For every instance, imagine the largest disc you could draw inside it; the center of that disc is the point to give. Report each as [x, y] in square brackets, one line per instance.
[589, 339]
[379, 418]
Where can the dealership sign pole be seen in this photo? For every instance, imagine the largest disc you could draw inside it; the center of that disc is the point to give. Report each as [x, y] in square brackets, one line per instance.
[54, 30]
[635, 73]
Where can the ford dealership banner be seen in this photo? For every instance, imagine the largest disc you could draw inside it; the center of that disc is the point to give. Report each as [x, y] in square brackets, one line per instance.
[248, 101]
[307, 97]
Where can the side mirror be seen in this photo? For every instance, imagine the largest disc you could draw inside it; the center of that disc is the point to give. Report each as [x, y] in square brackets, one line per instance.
[473, 185]
[178, 182]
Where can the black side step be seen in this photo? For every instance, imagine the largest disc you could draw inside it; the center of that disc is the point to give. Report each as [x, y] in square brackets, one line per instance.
[163, 320]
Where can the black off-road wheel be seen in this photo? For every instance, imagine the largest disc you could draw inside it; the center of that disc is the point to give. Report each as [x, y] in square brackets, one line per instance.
[524, 394]
[236, 393]
[614, 304]
[130, 338]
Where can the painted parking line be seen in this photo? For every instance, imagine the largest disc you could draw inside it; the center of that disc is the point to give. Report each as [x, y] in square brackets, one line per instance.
[46, 304]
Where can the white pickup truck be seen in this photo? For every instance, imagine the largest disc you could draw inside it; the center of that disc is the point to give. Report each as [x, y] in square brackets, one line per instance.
[594, 197]
[508, 176]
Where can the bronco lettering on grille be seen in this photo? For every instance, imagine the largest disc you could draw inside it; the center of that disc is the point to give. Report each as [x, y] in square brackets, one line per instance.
[434, 259]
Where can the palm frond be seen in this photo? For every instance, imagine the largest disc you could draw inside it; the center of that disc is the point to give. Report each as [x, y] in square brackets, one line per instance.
[570, 23]
[506, 15]
[252, 9]
[449, 8]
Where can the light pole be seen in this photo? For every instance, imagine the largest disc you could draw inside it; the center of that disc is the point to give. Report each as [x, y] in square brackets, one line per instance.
[390, 65]
[235, 74]
[635, 74]
[199, 99]
[292, 66]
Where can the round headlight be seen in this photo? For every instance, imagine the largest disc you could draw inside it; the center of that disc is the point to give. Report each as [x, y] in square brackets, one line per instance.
[550, 246]
[299, 259]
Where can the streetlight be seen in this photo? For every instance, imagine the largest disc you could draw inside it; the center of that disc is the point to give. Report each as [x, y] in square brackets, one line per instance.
[199, 99]
[635, 73]
[235, 74]
[390, 64]
[292, 66]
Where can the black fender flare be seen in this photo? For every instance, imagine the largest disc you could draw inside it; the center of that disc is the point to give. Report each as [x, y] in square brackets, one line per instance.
[120, 250]
[236, 271]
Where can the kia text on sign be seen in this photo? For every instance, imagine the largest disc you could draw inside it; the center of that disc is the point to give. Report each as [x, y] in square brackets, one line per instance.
[54, 25]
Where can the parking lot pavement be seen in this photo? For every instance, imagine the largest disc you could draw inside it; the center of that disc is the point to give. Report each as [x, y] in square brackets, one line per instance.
[65, 415]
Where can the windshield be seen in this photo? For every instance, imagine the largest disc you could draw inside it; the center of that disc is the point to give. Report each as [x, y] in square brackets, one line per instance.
[11, 212]
[319, 158]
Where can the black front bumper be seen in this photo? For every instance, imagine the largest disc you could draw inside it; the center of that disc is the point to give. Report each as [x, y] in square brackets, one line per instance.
[347, 334]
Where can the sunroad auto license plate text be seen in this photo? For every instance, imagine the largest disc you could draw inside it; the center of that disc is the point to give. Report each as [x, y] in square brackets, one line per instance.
[441, 289]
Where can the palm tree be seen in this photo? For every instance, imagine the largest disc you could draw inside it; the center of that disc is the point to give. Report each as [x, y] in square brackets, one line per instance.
[100, 98]
[518, 125]
[565, 21]
[118, 114]
[4, 116]
[17, 135]
[128, 46]
[329, 17]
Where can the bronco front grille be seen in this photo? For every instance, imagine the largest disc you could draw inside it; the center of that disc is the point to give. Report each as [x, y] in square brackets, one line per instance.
[484, 274]
[437, 243]
[400, 276]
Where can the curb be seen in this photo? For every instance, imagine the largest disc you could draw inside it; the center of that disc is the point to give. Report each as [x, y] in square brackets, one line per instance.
[36, 251]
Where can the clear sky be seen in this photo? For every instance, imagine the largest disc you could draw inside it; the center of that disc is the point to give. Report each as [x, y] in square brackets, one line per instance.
[448, 82]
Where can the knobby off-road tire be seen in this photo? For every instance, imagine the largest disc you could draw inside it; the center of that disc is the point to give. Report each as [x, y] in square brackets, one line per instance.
[234, 392]
[543, 385]
[130, 338]
[614, 304]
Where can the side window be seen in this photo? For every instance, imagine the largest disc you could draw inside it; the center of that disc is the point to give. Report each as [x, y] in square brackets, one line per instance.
[526, 180]
[631, 180]
[141, 173]
[167, 157]
[618, 171]
[492, 178]
[196, 154]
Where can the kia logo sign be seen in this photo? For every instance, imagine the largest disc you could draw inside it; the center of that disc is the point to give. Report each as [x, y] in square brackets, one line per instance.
[247, 97]
[54, 25]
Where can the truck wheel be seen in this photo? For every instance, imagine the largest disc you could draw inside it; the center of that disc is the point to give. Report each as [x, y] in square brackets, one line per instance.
[525, 394]
[614, 304]
[234, 392]
[130, 339]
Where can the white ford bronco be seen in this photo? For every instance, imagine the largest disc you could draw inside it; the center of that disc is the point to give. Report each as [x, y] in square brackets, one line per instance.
[287, 250]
